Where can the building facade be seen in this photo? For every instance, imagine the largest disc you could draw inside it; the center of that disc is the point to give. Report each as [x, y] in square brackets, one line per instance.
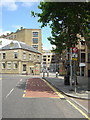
[19, 58]
[31, 37]
[49, 61]
[82, 63]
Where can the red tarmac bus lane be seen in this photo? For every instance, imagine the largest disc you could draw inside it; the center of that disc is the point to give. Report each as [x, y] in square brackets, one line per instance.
[36, 87]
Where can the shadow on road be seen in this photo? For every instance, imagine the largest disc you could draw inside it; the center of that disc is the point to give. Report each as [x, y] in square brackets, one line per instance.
[21, 86]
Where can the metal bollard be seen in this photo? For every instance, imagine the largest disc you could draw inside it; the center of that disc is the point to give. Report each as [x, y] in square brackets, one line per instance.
[43, 74]
[56, 74]
[47, 73]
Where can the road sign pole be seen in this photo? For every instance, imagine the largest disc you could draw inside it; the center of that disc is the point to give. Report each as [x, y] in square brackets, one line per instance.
[75, 75]
[71, 71]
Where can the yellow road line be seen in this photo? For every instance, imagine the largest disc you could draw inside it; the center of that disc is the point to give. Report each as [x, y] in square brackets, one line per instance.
[79, 110]
[24, 90]
[59, 94]
[23, 95]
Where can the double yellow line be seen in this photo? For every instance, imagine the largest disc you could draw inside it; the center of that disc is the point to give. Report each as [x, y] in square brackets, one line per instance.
[61, 96]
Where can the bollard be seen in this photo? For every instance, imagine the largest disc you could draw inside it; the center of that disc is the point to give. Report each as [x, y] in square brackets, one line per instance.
[47, 73]
[56, 74]
[43, 74]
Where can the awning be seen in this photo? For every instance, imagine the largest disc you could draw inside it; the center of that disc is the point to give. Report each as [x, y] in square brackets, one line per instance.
[82, 65]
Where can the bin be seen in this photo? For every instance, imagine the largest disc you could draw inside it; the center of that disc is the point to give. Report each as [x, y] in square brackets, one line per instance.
[66, 80]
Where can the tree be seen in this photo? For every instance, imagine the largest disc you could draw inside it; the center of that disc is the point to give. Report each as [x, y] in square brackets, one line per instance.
[65, 20]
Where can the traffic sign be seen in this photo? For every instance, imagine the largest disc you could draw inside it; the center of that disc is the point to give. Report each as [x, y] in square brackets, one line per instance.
[74, 50]
[75, 59]
[75, 55]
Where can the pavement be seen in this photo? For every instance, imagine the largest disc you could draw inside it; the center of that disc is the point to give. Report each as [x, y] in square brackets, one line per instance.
[82, 89]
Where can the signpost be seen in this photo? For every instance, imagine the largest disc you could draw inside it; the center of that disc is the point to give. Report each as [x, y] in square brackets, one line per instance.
[74, 56]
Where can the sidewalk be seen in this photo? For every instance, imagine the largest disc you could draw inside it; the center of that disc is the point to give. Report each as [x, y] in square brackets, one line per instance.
[82, 91]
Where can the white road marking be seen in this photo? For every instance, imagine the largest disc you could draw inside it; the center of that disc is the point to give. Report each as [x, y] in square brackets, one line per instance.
[10, 92]
[21, 80]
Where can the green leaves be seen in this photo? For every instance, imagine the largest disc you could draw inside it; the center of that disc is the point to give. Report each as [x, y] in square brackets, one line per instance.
[65, 20]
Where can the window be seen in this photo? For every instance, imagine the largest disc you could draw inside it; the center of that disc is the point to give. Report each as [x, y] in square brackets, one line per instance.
[34, 57]
[14, 36]
[29, 56]
[35, 34]
[48, 59]
[82, 42]
[11, 36]
[15, 54]
[0, 42]
[35, 40]
[24, 55]
[88, 57]
[82, 57]
[3, 55]
[3, 65]
[44, 59]
[9, 66]
[38, 58]
[15, 65]
[48, 55]
[35, 47]
[24, 67]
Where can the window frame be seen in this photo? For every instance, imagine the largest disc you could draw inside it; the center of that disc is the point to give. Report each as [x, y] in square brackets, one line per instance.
[35, 34]
[8, 66]
[14, 54]
[35, 40]
[2, 65]
[3, 55]
[14, 65]
[24, 55]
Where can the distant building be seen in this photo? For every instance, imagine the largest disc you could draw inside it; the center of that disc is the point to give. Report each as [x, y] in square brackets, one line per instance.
[31, 37]
[19, 58]
[49, 61]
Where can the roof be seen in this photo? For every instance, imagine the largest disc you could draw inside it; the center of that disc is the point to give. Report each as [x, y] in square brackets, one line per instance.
[18, 45]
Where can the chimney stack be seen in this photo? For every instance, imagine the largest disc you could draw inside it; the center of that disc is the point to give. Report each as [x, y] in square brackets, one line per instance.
[21, 28]
[7, 33]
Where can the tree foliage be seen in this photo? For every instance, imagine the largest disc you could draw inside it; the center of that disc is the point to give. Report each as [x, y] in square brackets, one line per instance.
[65, 20]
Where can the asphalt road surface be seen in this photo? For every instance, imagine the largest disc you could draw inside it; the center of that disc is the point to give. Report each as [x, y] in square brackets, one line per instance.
[25, 97]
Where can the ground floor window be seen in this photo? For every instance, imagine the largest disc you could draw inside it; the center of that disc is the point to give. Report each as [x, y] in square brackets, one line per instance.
[9, 65]
[24, 67]
[3, 65]
[15, 65]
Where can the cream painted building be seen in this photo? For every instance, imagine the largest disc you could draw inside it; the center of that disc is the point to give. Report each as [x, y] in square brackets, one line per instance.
[83, 60]
[49, 61]
[19, 58]
[31, 37]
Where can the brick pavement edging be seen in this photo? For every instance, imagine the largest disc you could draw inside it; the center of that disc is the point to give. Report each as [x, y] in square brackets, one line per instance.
[67, 94]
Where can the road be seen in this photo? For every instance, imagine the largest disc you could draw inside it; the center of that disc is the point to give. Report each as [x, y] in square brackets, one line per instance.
[17, 102]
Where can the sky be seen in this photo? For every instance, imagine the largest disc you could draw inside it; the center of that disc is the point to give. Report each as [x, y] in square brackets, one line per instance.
[15, 14]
